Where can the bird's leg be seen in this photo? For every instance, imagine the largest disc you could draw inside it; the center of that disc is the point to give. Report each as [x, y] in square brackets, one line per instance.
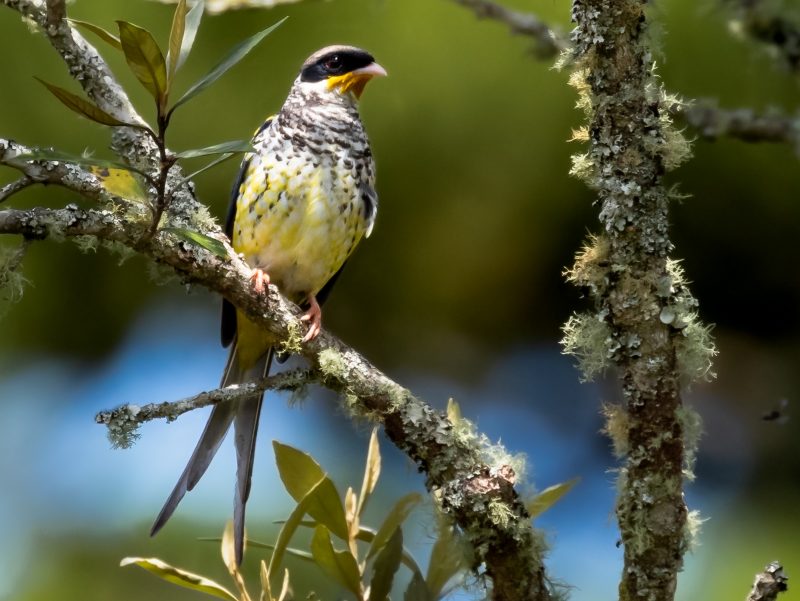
[314, 318]
[260, 280]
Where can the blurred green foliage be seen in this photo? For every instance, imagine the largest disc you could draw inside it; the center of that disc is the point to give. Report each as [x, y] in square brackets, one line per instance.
[477, 220]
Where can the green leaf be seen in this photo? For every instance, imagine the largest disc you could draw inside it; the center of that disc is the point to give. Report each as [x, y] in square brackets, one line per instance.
[339, 565]
[286, 534]
[397, 515]
[548, 497]
[41, 154]
[234, 56]
[221, 148]
[386, 565]
[447, 558]
[417, 590]
[120, 182]
[228, 548]
[372, 472]
[81, 106]
[175, 40]
[145, 59]
[224, 157]
[180, 577]
[300, 473]
[104, 35]
[192, 25]
[210, 244]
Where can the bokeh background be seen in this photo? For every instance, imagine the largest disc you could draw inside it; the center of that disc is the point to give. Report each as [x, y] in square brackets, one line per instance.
[458, 293]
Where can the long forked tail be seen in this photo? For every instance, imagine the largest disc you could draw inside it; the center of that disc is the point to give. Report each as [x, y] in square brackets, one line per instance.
[244, 415]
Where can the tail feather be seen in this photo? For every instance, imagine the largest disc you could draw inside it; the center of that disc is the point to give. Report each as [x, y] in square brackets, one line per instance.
[244, 415]
[245, 427]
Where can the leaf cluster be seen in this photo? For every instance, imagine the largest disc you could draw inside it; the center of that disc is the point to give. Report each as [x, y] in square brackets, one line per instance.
[362, 560]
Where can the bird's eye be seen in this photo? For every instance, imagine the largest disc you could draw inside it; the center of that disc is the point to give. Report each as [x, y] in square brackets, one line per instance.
[334, 63]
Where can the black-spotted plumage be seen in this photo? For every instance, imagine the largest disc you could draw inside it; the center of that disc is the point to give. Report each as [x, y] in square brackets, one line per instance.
[301, 203]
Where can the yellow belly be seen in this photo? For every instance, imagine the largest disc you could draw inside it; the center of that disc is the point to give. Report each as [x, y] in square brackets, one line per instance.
[299, 223]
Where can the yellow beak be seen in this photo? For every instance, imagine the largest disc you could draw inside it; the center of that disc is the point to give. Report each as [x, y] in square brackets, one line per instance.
[354, 81]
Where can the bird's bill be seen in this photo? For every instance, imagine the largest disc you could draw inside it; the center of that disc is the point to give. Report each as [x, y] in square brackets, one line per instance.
[356, 80]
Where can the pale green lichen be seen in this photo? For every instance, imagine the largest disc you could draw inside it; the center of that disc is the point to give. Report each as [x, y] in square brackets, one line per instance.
[12, 282]
[616, 428]
[500, 513]
[123, 427]
[691, 529]
[87, 244]
[588, 338]
[332, 364]
[293, 343]
[692, 428]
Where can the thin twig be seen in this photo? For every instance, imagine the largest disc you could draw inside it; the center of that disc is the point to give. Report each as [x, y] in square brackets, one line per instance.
[549, 43]
[123, 421]
[764, 23]
[744, 124]
[769, 583]
[12, 188]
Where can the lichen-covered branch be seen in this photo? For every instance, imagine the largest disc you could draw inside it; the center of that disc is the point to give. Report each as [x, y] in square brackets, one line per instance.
[504, 542]
[771, 24]
[549, 43]
[744, 124]
[645, 323]
[123, 422]
[769, 583]
[57, 173]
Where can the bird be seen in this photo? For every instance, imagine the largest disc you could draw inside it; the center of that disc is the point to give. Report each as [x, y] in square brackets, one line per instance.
[303, 200]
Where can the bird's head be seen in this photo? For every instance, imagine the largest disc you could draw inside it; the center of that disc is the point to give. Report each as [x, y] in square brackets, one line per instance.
[340, 69]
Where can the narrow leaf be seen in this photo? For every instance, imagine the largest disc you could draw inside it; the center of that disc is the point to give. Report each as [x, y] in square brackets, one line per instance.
[397, 515]
[417, 590]
[386, 565]
[372, 471]
[548, 497]
[453, 412]
[145, 59]
[104, 35]
[221, 148]
[214, 163]
[286, 534]
[266, 589]
[192, 25]
[180, 577]
[81, 106]
[175, 40]
[228, 548]
[120, 182]
[339, 565]
[234, 56]
[286, 590]
[447, 559]
[210, 244]
[325, 506]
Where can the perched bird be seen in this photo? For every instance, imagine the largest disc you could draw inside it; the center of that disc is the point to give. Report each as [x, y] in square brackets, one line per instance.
[302, 202]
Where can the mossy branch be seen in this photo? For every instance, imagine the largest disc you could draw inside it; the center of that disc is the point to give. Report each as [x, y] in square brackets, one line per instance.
[645, 324]
[769, 583]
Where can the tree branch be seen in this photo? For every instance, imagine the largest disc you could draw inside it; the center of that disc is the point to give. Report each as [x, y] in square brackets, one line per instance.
[644, 309]
[549, 43]
[743, 124]
[12, 188]
[123, 422]
[769, 583]
[762, 21]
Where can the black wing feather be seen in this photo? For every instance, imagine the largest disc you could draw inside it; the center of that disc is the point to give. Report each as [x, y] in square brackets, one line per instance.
[228, 321]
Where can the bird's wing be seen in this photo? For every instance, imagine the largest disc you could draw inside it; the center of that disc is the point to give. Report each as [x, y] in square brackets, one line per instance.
[228, 321]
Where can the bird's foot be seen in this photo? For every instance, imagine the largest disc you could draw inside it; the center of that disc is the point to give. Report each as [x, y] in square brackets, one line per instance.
[260, 280]
[314, 318]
